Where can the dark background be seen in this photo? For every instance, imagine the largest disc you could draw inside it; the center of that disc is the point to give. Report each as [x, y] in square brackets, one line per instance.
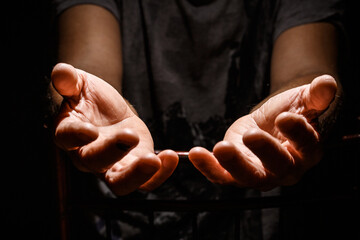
[29, 205]
[28, 179]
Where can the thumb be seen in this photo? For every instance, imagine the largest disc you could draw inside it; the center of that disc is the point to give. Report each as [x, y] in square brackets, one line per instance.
[320, 93]
[66, 80]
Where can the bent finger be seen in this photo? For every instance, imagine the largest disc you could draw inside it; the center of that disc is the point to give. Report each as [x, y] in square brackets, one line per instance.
[169, 161]
[243, 169]
[208, 165]
[128, 175]
[301, 135]
[274, 157]
[71, 134]
[101, 154]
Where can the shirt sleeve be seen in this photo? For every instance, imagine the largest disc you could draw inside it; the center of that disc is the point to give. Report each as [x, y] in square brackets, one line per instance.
[61, 5]
[291, 13]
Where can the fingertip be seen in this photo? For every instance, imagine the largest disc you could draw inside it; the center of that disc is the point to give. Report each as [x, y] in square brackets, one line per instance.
[322, 92]
[224, 151]
[196, 150]
[287, 122]
[90, 131]
[126, 139]
[124, 178]
[66, 80]
[149, 164]
[283, 120]
[326, 79]
[251, 136]
[205, 161]
[284, 116]
[201, 158]
[168, 153]
[169, 159]
[197, 153]
[71, 135]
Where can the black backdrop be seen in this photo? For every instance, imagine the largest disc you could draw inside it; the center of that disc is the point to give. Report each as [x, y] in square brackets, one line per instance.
[28, 189]
[28, 183]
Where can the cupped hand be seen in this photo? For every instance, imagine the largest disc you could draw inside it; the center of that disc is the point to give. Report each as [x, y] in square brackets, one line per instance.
[274, 145]
[104, 136]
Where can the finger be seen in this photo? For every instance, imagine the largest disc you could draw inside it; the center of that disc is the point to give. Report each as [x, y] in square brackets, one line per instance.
[71, 134]
[66, 80]
[301, 135]
[274, 157]
[128, 175]
[244, 170]
[321, 92]
[169, 161]
[101, 154]
[208, 165]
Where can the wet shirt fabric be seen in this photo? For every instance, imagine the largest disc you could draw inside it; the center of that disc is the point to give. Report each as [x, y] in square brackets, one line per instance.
[191, 68]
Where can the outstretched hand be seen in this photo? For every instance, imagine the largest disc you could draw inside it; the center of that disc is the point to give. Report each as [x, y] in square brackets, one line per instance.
[274, 145]
[104, 136]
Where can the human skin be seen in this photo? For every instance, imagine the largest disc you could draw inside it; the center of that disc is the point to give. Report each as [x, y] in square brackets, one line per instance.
[89, 39]
[280, 140]
[266, 148]
[275, 144]
[104, 136]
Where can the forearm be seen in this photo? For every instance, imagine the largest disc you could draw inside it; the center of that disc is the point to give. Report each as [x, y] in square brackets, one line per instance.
[301, 54]
[89, 39]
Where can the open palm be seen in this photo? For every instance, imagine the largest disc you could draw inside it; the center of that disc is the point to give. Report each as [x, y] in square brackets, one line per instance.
[104, 136]
[275, 144]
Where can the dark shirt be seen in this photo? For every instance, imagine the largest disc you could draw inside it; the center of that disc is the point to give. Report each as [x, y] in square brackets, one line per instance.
[191, 68]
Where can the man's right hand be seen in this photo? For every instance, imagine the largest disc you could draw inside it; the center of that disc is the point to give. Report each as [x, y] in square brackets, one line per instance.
[104, 136]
